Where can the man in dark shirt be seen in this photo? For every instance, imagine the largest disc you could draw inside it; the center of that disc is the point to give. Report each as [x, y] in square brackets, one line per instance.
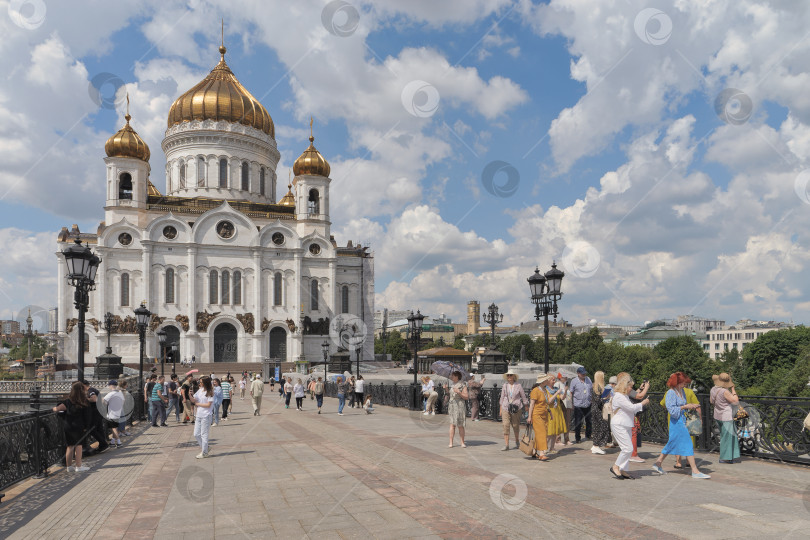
[186, 392]
[174, 396]
[99, 431]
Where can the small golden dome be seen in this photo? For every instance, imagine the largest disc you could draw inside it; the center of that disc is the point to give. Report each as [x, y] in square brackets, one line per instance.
[220, 96]
[289, 198]
[311, 162]
[151, 190]
[127, 143]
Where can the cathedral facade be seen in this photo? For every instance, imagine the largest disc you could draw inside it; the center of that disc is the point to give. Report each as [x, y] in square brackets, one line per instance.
[228, 273]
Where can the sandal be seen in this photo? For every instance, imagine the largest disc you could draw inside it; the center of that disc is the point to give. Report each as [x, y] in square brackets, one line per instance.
[677, 466]
[542, 458]
[618, 476]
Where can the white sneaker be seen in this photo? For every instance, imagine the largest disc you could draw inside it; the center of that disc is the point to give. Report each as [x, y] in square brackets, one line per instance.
[433, 413]
[596, 450]
[81, 469]
[636, 460]
[200, 455]
[426, 413]
[71, 468]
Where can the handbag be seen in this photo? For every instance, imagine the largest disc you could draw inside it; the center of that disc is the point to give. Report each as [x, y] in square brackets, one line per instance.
[513, 409]
[527, 442]
[694, 424]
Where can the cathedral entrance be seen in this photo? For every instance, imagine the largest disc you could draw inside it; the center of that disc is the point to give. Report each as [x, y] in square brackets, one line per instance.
[278, 344]
[225, 343]
[173, 338]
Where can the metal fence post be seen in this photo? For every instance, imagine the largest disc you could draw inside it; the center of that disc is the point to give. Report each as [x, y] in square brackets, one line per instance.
[35, 403]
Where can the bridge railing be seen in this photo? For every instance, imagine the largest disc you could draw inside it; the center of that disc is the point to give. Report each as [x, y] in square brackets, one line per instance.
[774, 428]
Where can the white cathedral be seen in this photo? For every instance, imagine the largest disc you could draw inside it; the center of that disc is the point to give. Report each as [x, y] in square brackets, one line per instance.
[229, 274]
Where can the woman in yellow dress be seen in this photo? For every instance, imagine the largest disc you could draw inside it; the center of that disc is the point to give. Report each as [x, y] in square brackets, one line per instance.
[556, 423]
[539, 416]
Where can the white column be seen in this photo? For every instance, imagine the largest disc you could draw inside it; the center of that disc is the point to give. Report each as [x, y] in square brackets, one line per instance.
[191, 302]
[101, 283]
[146, 271]
[335, 307]
[298, 284]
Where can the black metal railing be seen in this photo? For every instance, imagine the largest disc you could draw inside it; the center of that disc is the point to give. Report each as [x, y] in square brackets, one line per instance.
[774, 428]
[29, 444]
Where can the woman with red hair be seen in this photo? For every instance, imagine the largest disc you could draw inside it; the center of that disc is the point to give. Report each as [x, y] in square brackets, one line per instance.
[679, 443]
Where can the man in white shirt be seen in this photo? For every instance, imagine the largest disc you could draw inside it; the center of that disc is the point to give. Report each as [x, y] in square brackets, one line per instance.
[114, 400]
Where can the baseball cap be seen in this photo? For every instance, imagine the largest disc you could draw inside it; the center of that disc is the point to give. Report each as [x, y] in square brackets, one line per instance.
[582, 371]
[613, 380]
[112, 382]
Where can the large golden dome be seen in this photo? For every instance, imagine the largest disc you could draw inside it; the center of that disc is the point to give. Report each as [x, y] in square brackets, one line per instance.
[127, 143]
[220, 96]
[311, 162]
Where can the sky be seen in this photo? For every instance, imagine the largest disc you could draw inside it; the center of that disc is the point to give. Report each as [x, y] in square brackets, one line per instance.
[656, 150]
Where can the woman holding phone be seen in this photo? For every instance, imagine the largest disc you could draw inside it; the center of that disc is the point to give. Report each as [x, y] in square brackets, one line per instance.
[556, 425]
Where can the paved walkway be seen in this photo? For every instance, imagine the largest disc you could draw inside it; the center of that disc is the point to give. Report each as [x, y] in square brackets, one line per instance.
[289, 474]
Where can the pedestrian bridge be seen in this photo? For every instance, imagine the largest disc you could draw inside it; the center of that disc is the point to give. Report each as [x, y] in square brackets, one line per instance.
[290, 474]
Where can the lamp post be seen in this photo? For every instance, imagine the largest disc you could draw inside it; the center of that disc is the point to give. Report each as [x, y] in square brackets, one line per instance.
[545, 289]
[325, 350]
[383, 333]
[175, 350]
[109, 326]
[415, 327]
[82, 265]
[161, 335]
[492, 317]
[142, 316]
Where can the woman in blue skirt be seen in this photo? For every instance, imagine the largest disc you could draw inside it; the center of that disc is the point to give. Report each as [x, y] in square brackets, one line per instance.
[679, 443]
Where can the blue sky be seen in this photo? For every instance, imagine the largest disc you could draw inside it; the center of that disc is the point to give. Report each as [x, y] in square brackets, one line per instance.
[652, 203]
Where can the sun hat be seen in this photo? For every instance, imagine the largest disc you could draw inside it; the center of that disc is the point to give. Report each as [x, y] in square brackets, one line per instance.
[724, 380]
[543, 377]
[510, 372]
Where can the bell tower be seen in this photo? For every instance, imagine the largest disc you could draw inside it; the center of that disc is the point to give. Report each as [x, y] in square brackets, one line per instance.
[127, 167]
[312, 184]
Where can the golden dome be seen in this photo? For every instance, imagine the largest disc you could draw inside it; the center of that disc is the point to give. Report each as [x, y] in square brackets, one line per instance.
[220, 96]
[127, 143]
[311, 162]
[151, 190]
[289, 198]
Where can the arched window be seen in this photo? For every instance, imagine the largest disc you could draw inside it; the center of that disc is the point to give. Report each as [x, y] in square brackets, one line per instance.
[86, 342]
[245, 176]
[124, 289]
[237, 287]
[313, 295]
[125, 186]
[261, 181]
[223, 173]
[170, 286]
[182, 174]
[201, 172]
[226, 287]
[313, 204]
[344, 299]
[213, 284]
[277, 290]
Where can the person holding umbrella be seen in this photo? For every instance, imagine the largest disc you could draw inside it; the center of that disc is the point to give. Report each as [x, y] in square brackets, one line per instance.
[457, 407]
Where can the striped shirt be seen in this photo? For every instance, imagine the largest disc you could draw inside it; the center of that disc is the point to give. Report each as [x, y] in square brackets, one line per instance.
[155, 389]
[226, 389]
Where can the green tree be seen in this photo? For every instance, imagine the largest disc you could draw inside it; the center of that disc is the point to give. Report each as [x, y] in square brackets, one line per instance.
[38, 347]
[459, 343]
[683, 353]
[395, 345]
[771, 351]
[511, 346]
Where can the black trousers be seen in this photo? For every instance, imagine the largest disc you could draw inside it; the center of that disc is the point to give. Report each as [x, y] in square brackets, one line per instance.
[226, 403]
[580, 414]
[299, 403]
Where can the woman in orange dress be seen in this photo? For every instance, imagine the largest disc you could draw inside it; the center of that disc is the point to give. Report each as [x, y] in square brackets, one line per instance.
[539, 416]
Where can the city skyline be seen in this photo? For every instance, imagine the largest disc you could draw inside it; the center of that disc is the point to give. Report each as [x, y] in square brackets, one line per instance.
[654, 154]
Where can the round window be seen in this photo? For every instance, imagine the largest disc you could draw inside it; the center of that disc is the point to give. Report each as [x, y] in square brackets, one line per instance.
[278, 238]
[225, 229]
[169, 232]
[314, 249]
[124, 239]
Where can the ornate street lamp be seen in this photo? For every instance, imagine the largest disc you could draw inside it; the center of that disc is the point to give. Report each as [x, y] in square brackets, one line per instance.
[415, 327]
[325, 350]
[383, 332]
[161, 335]
[492, 317]
[82, 265]
[545, 291]
[142, 316]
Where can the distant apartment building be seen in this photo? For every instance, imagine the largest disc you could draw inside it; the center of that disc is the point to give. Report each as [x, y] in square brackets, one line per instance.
[9, 327]
[653, 336]
[699, 325]
[391, 316]
[738, 337]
